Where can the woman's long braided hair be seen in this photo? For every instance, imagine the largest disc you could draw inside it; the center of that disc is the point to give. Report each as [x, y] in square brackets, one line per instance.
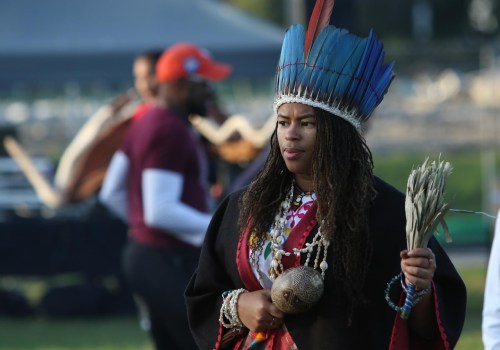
[343, 182]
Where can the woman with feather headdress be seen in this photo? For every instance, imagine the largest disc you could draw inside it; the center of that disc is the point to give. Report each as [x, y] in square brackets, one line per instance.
[301, 258]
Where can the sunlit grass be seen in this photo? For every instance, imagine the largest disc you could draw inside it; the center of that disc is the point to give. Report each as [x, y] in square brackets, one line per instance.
[104, 333]
[474, 278]
[123, 333]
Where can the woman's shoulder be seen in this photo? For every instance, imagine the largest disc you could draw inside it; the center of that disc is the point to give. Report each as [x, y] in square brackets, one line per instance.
[234, 196]
[230, 203]
[389, 202]
[384, 188]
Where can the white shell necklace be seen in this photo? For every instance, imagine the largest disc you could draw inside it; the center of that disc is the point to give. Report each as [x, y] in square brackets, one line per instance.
[277, 234]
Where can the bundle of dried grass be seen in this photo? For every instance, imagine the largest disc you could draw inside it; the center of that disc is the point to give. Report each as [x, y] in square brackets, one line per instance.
[425, 207]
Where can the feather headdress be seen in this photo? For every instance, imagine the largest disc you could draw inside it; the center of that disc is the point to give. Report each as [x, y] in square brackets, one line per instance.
[332, 69]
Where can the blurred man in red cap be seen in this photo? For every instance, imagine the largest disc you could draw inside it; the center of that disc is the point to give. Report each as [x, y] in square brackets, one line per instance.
[156, 182]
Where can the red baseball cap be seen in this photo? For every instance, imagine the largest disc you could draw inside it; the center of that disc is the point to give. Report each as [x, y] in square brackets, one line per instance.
[184, 60]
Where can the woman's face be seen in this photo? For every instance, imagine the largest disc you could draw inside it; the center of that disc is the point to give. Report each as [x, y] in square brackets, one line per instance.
[144, 78]
[296, 132]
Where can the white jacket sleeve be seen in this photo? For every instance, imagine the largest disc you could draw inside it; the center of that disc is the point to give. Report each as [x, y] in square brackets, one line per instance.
[491, 307]
[114, 194]
[163, 208]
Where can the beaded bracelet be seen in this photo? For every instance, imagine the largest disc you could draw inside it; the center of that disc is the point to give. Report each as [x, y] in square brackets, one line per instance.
[418, 294]
[413, 297]
[229, 309]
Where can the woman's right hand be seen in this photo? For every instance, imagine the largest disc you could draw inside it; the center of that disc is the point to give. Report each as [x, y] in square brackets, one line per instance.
[257, 312]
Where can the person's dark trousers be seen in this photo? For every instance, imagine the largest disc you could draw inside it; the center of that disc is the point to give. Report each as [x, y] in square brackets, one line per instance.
[159, 277]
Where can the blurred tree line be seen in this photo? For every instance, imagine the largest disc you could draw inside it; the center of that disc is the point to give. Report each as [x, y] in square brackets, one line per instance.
[400, 19]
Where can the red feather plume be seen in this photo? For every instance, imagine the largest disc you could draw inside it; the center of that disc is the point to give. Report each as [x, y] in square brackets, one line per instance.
[320, 18]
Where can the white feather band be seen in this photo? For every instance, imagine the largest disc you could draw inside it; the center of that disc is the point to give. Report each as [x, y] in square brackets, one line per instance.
[349, 116]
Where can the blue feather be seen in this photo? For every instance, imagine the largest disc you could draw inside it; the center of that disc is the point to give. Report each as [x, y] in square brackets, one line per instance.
[380, 89]
[366, 69]
[342, 52]
[315, 62]
[290, 55]
[313, 69]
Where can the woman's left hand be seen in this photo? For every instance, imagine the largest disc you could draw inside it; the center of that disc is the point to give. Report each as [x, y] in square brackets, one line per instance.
[418, 266]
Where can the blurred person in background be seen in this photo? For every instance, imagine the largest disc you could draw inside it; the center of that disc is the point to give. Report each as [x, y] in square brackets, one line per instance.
[103, 133]
[156, 183]
[84, 161]
[491, 306]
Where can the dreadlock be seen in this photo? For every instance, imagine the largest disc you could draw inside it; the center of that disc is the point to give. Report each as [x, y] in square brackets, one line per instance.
[343, 182]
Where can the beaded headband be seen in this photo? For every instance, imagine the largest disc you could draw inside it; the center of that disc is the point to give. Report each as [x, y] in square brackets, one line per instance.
[332, 69]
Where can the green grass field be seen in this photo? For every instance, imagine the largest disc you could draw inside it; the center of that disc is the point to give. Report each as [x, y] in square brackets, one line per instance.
[123, 333]
[474, 279]
[103, 333]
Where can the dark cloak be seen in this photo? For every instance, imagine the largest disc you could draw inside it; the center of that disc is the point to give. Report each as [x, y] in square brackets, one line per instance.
[373, 326]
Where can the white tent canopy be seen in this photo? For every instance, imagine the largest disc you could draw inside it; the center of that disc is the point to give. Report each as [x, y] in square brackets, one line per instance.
[58, 40]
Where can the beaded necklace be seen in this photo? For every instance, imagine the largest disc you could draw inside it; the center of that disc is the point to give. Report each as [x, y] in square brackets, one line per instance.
[298, 201]
[278, 239]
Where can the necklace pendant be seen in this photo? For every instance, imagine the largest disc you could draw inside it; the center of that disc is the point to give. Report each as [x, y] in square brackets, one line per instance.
[274, 233]
[297, 289]
[280, 240]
